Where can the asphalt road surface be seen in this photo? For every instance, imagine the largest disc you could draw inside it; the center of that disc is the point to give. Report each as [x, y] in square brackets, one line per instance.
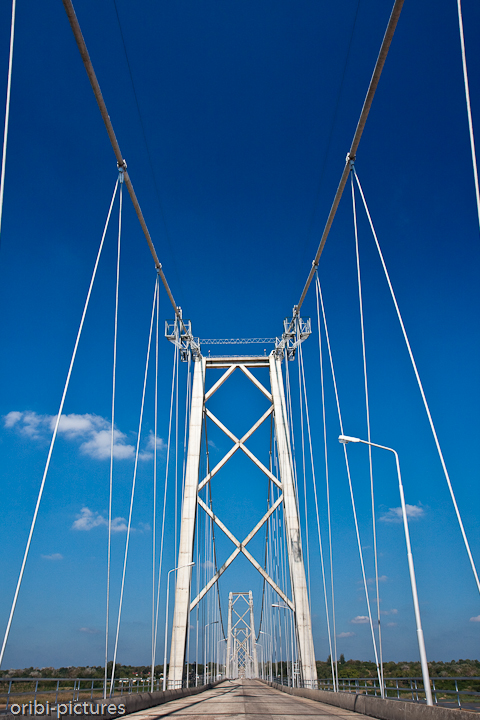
[245, 700]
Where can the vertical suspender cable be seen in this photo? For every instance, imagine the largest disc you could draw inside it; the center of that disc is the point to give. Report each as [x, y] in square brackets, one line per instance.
[7, 112]
[420, 385]
[333, 658]
[290, 424]
[187, 406]
[320, 544]
[112, 438]
[167, 463]
[132, 496]
[360, 551]
[154, 530]
[469, 109]
[55, 431]
[176, 469]
[367, 411]
[187, 416]
[197, 576]
[304, 473]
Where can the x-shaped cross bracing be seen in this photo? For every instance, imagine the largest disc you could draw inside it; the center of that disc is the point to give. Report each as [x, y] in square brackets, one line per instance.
[239, 444]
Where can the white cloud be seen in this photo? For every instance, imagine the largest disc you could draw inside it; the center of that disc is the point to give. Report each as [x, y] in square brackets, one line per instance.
[393, 611]
[87, 520]
[161, 444]
[53, 556]
[345, 634]
[208, 565]
[148, 453]
[119, 524]
[475, 619]
[99, 445]
[381, 579]
[27, 423]
[394, 515]
[89, 631]
[12, 418]
[392, 624]
[92, 431]
[360, 620]
[74, 425]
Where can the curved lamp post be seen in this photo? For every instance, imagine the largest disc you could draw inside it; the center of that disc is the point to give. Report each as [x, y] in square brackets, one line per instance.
[345, 439]
[271, 653]
[214, 622]
[218, 654]
[166, 624]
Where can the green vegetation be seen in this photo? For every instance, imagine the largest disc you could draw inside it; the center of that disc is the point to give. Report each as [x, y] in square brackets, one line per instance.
[346, 669]
[363, 669]
[98, 671]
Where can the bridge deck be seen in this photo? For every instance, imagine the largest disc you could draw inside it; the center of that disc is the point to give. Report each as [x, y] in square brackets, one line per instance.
[244, 699]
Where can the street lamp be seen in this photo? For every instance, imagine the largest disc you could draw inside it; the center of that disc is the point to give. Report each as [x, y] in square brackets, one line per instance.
[218, 655]
[166, 624]
[271, 662]
[263, 659]
[287, 607]
[345, 439]
[214, 622]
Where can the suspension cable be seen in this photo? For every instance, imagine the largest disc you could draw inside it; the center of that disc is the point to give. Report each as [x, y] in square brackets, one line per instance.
[347, 465]
[7, 111]
[382, 56]
[176, 472]
[77, 32]
[333, 659]
[469, 109]
[112, 436]
[367, 412]
[55, 431]
[420, 385]
[154, 530]
[320, 544]
[137, 451]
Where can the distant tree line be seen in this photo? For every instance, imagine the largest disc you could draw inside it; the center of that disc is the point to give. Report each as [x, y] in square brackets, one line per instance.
[364, 669]
[346, 669]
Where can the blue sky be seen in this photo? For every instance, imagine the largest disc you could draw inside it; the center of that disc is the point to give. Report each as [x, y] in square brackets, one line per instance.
[247, 112]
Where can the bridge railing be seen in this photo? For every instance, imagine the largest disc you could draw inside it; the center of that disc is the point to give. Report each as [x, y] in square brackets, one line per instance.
[64, 690]
[447, 691]
[54, 690]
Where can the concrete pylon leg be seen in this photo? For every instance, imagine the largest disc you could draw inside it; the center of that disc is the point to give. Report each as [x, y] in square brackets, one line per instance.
[252, 636]
[187, 531]
[303, 622]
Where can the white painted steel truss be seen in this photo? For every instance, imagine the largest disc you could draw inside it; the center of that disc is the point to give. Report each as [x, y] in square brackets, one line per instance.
[239, 444]
[299, 603]
[295, 331]
[241, 647]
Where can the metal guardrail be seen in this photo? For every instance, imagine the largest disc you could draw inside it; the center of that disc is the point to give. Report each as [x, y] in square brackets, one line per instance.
[60, 690]
[406, 688]
[411, 688]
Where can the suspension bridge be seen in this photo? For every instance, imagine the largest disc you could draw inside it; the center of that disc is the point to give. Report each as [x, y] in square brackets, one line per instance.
[245, 447]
